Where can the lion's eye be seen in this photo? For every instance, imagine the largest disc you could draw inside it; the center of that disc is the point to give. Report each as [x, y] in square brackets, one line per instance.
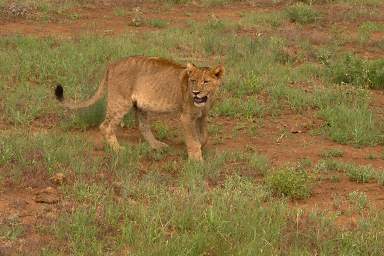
[205, 81]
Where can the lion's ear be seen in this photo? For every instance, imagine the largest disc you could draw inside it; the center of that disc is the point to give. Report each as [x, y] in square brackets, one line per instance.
[218, 71]
[190, 68]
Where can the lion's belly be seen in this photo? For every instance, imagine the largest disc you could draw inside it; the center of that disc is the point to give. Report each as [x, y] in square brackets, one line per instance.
[151, 103]
[153, 94]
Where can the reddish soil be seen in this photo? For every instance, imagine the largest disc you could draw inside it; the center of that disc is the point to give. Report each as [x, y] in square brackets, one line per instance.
[284, 140]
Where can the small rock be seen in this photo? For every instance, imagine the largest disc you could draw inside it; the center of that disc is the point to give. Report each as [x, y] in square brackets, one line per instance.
[47, 195]
[58, 178]
[137, 17]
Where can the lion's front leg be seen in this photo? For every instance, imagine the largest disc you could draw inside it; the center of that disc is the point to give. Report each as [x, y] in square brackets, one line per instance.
[192, 138]
[203, 130]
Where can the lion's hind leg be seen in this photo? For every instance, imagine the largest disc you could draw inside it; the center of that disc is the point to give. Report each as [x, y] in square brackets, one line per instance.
[116, 109]
[145, 129]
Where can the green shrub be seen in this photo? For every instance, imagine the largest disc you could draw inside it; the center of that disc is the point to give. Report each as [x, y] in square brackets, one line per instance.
[291, 182]
[158, 23]
[259, 162]
[302, 13]
[333, 152]
[376, 74]
[350, 69]
[329, 165]
[358, 199]
[351, 125]
[360, 174]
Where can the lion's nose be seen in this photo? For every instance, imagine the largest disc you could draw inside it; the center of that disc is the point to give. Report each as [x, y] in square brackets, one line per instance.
[196, 92]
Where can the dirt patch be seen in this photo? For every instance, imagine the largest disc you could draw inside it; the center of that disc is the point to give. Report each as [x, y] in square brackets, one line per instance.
[20, 217]
[104, 21]
[334, 197]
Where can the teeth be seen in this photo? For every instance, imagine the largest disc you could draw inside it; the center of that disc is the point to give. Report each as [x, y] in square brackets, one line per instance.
[200, 99]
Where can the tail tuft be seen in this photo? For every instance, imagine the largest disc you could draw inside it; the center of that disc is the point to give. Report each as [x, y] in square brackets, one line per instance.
[59, 92]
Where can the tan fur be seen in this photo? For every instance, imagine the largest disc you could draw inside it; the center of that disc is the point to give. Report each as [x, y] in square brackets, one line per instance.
[157, 85]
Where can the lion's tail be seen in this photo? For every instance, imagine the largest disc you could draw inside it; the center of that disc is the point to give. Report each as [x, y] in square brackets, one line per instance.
[59, 93]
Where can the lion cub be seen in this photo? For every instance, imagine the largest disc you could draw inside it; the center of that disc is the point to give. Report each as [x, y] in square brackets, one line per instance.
[151, 84]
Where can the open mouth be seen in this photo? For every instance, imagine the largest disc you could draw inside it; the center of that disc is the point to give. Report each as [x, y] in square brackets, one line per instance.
[200, 100]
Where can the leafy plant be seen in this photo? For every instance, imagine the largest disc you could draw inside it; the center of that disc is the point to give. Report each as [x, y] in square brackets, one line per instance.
[302, 13]
[295, 183]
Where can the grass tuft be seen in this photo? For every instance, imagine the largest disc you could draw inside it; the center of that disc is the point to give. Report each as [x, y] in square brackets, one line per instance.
[294, 183]
[361, 174]
[302, 13]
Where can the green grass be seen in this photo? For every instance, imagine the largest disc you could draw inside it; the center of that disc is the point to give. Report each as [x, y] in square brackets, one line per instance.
[366, 29]
[259, 162]
[351, 126]
[333, 152]
[120, 12]
[351, 69]
[258, 20]
[361, 2]
[142, 202]
[329, 164]
[21, 152]
[356, 173]
[158, 23]
[294, 183]
[161, 130]
[361, 174]
[302, 13]
[11, 230]
[380, 178]
[359, 200]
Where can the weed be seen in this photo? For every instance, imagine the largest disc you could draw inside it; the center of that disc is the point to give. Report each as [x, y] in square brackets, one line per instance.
[376, 74]
[51, 152]
[366, 29]
[161, 130]
[360, 174]
[82, 232]
[380, 178]
[234, 107]
[22, 113]
[175, 1]
[120, 12]
[294, 183]
[358, 199]
[361, 2]
[372, 156]
[330, 164]
[158, 23]
[333, 152]
[272, 19]
[351, 126]
[259, 162]
[351, 69]
[129, 120]
[302, 13]
[335, 178]
[83, 192]
[304, 163]
[11, 229]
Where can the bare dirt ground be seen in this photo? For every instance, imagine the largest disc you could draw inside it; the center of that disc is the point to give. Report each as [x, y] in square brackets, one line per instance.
[284, 139]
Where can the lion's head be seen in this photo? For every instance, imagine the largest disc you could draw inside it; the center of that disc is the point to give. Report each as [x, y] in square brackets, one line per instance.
[203, 83]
